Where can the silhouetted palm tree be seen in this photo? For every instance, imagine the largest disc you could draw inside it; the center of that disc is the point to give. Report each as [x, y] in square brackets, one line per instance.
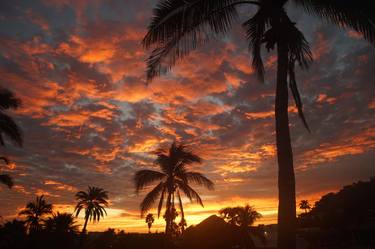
[35, 211]
[5, 178]
[149, 220]
[94, 202]
[304, 205]
[180, 26]
[173, 178]
[242, 217]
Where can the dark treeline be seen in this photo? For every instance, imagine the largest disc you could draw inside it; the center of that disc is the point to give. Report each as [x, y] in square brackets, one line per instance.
[342, 219]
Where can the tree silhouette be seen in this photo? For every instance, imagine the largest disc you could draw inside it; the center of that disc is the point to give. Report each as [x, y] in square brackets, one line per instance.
[242, 217]
[149, 220]
[94, 202]
[173, 179]
[8, 127]
[35, 211]
[61, 223]
[304, 205]
[180, 26]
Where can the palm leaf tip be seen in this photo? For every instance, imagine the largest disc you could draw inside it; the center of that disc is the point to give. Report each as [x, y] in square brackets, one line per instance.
[6, 180]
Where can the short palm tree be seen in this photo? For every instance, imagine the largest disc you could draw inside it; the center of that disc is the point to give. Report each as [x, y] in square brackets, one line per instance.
[8, 127]
[5, 178]
[304, 205]
[61, 223]
[150, 220]
[180, 26]
[172, 180]
[94, 202]
[242, 217]
[35, 212]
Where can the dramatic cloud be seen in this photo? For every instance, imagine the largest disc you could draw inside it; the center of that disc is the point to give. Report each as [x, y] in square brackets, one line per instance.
[90, 118]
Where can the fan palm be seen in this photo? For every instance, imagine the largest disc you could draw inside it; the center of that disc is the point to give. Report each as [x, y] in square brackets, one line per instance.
[173, 179]
[94, 202]
[304, 205]
[149, 220]
[35, 211]
[5, 178]
[180, 26]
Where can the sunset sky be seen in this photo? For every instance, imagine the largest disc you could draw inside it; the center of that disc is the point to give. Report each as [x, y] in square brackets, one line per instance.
[89, 118]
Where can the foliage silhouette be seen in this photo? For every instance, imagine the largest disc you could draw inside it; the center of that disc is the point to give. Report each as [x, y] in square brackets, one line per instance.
[173, 178]
[242, 217]
[149, 220]
[304, 205]
[34, 212]
[94, 202]
[180, 26]
[8, 127]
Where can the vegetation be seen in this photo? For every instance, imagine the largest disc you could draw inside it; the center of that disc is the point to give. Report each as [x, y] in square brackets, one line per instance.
[150, 220]
[94, 202]
[304, 205]
[173, 179]
[8, 128]
[180, 26]
[35, 212]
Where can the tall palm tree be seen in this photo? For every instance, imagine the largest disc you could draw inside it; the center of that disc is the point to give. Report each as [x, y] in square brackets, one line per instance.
[35, 211]
[8, 127]
[180, 26]
[173, 179]
[94, 201]
[5, 178]
[149, 220]
[242, 217]
[304, 205]
[62, 223]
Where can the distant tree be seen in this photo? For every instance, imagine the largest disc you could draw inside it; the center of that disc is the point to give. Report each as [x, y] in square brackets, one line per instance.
[173, 178]
[94, 202]
[8, 127]
[243, 218]
[304, 205]
[149, 220]
[182, 225]
[35, 211]
[13, 235]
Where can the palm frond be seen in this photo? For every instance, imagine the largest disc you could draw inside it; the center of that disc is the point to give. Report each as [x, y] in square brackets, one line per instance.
[348, 14]
[144, 178]
[150, 198]
[189, 192]
[8, 100]
[199, 179]
[255, 28]
[180, 26]
[10, 129]
[6, 180]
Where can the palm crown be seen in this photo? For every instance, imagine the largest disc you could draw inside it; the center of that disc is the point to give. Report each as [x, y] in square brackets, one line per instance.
[35, 211]
[240, 216]
[61, 223]
[94, 201]
[173, 179]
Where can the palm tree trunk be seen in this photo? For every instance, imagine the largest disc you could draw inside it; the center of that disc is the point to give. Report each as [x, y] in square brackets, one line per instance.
[85, 225]
[168, 216]
[286, 181]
